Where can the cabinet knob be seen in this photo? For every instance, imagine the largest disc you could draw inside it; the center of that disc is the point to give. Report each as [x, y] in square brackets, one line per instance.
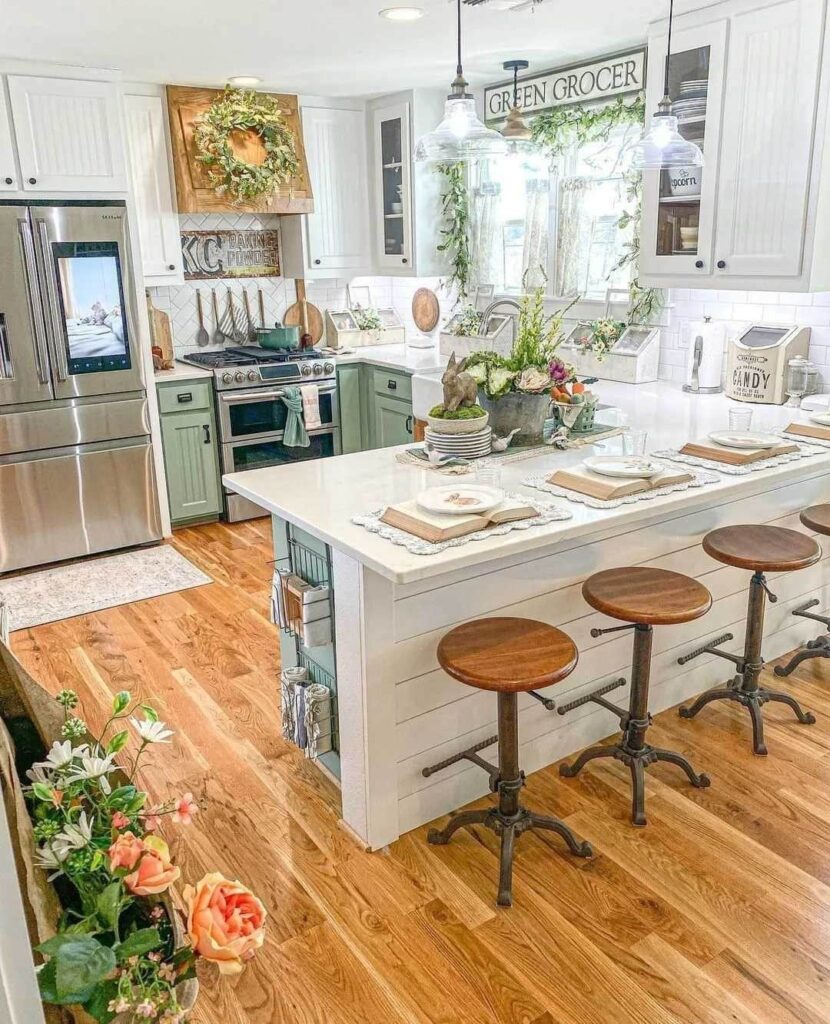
[9, 181]
[699, 264]
[33, 181]
[317, 263]
[404, 260]
[721, 264]
[171, 266]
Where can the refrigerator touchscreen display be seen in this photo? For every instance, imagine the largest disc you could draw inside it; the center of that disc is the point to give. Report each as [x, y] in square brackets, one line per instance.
[91, 297]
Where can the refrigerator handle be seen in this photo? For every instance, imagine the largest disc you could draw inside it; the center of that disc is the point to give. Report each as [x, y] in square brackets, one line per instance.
[54, 317]
[27, 249]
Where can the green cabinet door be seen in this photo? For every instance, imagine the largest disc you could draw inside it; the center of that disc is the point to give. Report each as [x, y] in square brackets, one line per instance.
[193, 484]
[349, 399]
[393, 422]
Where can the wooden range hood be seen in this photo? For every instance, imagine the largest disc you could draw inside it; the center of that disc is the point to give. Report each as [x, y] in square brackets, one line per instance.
[193, 189]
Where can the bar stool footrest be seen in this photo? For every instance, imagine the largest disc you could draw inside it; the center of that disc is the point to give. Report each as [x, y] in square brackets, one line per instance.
[595, 698]
[470, 754]
[713, 647]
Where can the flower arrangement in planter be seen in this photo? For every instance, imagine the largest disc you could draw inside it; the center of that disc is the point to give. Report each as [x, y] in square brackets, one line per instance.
[601, 336]
[467, 323]
[368, 319]
[121, 952]
[515, 389]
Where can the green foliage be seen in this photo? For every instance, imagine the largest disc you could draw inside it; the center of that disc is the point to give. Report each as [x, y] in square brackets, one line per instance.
[466, 412]
[467, 323]
[455, 210]
[243, 110]
[367, 319]
[601, 336]
[142, 941]
[77, 963]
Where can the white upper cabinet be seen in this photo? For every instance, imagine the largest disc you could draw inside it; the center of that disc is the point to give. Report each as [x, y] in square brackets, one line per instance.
[9, 181]
[748, 87]
[68, 134]
[335, 238]
[156, 217]
[767, 140]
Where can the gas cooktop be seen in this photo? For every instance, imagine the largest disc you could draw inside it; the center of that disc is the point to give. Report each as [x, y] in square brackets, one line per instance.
[265, 366]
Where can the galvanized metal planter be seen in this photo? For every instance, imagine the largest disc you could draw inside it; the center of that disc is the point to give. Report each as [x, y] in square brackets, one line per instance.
[517, 411]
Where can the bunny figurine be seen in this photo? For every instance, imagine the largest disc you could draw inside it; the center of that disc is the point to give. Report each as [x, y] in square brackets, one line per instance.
[460, 389]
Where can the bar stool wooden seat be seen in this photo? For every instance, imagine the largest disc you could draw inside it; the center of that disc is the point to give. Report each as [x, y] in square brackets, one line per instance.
[642, 597]
[816, 518]
[507, 656]
[762, 549]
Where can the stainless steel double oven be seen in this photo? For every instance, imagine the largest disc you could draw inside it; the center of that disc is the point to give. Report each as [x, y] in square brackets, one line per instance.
[76, 461]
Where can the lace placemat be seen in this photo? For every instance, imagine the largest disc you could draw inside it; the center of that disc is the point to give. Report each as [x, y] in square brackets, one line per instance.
[548, 513]
[541, 484]
[804, 452]
[819, 442]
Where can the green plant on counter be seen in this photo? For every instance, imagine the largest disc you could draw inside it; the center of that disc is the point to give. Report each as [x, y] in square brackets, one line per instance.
[243, 110]
[367, 319]
[455, 211]
[467, 323]
[643, 303]
[466, 412]
[601, 336]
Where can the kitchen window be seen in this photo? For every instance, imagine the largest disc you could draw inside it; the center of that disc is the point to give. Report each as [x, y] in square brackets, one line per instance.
[557, 224]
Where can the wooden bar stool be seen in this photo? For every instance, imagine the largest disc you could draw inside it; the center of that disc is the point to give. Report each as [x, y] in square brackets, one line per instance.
[643, 598]
[762, 549]
[817, 518]
[509, 656]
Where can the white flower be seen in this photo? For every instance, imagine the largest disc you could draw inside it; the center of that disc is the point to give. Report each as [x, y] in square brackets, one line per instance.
[62, 754]
[51, 859]
[151, 732]
[73, 836]
[92, 767]
[38, 773]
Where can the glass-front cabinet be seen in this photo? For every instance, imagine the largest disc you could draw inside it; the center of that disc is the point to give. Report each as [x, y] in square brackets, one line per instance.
[679, 203]
[393, 206]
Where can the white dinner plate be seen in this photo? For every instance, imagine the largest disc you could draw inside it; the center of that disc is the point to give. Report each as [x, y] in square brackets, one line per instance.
[744, 439]
[635, 467]
[459, 499]
[822, 418]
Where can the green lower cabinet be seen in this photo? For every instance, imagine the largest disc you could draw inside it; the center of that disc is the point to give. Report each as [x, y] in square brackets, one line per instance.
[349, 399]
[393, 421]
[194, 488]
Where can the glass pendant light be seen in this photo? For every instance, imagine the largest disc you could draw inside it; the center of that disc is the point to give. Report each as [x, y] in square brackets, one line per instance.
[460, 136]
[663, 146]
[515, 130]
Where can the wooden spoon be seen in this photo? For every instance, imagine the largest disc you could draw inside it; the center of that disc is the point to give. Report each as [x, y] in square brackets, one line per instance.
[218, 333]
[202, 336]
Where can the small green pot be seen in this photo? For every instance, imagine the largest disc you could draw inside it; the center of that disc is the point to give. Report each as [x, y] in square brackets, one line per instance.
[583, 423]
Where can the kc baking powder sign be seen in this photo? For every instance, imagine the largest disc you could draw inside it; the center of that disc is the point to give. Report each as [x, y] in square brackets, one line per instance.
[599, 79]
[221, 254]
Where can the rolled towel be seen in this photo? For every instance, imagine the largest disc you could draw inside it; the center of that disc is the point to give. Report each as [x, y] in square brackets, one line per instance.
[311, 406]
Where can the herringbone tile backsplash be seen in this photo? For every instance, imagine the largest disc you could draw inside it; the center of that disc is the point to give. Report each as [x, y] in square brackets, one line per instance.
[180, 302]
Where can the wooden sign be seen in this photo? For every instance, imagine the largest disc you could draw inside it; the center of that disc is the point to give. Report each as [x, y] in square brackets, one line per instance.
[598, 79]
[194, 191]
[214, 254]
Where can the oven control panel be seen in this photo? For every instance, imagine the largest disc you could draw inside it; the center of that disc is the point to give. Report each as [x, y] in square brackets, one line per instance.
[304, 372]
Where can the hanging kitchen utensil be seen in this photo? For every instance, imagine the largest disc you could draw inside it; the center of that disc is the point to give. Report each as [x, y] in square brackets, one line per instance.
[161, 337]
[425, 309]
[202, 336]
[261, 301]
[237, 335]
[248, 321]
[306, 315]
[218, 333]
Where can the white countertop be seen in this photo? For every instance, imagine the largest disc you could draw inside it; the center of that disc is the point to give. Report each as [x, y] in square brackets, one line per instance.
[405, 358]
[321, 496]
[181, 371]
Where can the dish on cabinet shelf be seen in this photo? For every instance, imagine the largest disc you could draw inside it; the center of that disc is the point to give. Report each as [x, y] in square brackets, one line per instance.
[631, 467]
[744, 439]
[459, 499]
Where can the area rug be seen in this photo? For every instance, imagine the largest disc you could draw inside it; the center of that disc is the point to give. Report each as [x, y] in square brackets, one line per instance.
[97, 583]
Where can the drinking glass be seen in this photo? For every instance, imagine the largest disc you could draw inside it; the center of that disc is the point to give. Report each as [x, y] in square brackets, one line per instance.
[489, 475]
[634, 442]
[740, 418]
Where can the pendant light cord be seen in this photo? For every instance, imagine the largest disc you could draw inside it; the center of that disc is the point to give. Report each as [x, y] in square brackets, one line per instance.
[668, 51]
[459, 70]
[515, 87]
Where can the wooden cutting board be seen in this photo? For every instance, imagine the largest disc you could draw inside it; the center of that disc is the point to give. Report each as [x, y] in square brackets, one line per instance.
[161, 336]
[426, 309]
[305, 315]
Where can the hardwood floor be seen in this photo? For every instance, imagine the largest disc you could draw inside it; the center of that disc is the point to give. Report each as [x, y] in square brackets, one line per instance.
[718, 912]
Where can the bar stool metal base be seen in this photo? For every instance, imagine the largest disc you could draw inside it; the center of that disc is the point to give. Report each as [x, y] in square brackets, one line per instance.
[818, 648]
[509, 819]
[744, 687]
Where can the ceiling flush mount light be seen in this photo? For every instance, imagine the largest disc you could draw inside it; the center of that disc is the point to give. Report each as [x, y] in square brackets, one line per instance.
[663, 146]
[402, 13]
[460, 136]
[515, 128]
[244, 81]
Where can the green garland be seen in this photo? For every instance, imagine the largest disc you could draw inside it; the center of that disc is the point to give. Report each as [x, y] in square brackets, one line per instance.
[557, 130]
[244, 110]
[455, 211]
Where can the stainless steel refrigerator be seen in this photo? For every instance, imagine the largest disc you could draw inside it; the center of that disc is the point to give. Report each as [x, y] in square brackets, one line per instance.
[76, 460]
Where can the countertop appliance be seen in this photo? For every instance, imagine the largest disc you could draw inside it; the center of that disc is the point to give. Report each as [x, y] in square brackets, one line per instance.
[76, 461]
[704, 366]
[248, 382]
[756, 363]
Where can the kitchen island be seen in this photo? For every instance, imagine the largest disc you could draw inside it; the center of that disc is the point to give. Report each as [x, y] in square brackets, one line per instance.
[398, 712]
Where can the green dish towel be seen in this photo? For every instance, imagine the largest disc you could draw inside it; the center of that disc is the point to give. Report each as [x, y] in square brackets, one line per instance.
[296, 435]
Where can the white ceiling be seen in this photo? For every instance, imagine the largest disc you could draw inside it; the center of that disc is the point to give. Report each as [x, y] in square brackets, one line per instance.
[327, 47]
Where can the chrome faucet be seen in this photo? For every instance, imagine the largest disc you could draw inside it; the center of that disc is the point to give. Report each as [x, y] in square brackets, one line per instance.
[485, 316]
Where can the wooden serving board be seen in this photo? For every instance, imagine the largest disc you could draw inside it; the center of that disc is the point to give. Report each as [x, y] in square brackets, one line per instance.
[305, 315]
[161, 335]
[426, 309]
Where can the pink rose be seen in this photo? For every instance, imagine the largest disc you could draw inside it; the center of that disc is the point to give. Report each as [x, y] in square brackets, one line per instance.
[224, 921]
[120, 820]
[186, 807]
[125, 852]
[155, 872]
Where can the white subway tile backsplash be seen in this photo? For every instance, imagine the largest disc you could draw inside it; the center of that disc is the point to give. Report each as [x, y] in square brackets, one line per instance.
[780, 314]
[747, 311]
